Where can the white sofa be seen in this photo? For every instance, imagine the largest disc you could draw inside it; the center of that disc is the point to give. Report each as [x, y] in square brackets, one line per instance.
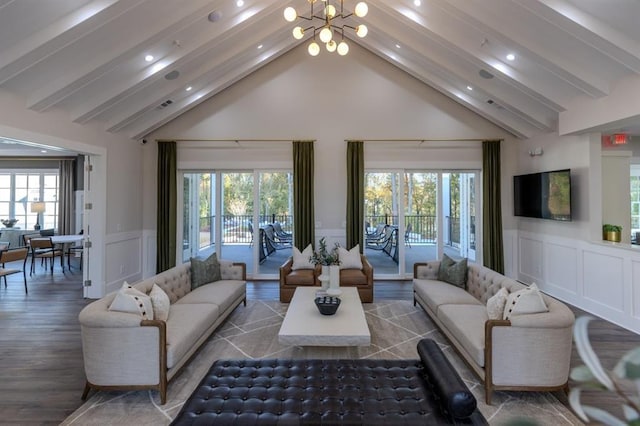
[123, 351]
[527, 352]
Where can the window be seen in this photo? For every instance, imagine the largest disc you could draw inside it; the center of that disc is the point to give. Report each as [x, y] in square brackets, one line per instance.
[18, 189]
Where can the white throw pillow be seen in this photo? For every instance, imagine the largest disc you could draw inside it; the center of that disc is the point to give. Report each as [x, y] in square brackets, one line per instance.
[160, 302]
[496, 304]
[301, 259]
[350, 259]
[133, 301]
[525, 301]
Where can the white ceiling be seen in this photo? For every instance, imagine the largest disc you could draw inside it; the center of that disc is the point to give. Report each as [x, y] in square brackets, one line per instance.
[86, 57]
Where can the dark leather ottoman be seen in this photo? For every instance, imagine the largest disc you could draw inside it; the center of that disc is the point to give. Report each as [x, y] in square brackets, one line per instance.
[333, 392]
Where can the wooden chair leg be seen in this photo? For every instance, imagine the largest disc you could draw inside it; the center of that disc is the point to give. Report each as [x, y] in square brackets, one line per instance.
[87, 388]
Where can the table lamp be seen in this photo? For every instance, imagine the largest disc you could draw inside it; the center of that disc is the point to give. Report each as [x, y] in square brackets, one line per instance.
[37, 207]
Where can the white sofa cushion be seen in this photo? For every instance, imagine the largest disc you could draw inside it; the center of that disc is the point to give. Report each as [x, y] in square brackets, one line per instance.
[436, 293]
[350, 259]
[160, 302]
[526, 301]
[222, 293]
[496, 304]
[133, 301]
[301, 258]
[466, 322]
[186, 324]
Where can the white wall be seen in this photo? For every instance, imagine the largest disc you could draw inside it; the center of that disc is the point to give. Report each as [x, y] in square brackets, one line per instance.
[118, 180]
[328, 99]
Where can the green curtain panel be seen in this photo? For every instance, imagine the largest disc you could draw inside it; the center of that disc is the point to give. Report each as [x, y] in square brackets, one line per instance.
[167, 206]
[492, 247]
[355, 194]
[303, 207]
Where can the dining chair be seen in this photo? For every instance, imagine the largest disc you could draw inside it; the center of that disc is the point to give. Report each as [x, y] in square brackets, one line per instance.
[14, 255]
[73, 249]
[43, 248]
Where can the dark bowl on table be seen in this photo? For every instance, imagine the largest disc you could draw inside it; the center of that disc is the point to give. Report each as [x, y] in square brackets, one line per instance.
[327, 305]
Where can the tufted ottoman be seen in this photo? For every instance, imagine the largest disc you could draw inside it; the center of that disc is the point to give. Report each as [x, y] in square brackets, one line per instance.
[333, 392]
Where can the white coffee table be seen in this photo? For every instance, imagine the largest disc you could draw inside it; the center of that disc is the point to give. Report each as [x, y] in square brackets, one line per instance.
[304, 325]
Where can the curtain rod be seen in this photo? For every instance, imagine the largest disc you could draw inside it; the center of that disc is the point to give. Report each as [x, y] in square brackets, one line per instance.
[426, 140]
[232, 140]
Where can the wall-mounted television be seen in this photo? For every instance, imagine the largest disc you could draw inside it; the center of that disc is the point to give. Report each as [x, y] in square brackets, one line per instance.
[545, 195]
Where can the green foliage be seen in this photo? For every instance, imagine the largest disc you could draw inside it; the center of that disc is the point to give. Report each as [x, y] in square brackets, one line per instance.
[611, 228]
[323, 256]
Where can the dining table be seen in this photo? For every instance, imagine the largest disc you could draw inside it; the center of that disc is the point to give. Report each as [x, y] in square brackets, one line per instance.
[62, 241]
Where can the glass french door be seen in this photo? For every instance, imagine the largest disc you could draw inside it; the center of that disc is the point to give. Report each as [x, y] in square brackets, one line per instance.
[218, 215]
[414, 216]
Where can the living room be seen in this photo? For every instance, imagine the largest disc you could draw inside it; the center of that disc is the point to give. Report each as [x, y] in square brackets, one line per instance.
[361, 98]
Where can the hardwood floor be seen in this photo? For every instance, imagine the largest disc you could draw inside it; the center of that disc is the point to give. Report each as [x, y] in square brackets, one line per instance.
[41, 375]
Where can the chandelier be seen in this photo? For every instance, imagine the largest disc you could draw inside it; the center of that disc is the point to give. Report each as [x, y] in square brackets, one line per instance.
[328, 24]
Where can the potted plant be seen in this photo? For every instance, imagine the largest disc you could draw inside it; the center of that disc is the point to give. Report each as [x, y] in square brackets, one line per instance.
[611, 232]
[330, 262]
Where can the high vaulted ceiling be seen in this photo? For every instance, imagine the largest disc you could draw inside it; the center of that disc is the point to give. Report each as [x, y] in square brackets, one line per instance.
[87, 57]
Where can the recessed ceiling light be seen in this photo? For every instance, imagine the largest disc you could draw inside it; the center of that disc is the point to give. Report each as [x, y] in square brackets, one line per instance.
[398, 46]
[417, 2]
[260, 46]
[172, 75]
[44, 151]
[148, 58]
[511, 57]
[240, 3]
[188, 89]
[469, 88]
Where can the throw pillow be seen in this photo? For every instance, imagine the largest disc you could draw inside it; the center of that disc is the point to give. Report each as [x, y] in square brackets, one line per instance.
[350, 259]
[453, 272]
[525, 301]
[133, 301]
[160, 303]
[204, 271]
[496, 304]
[301, 259]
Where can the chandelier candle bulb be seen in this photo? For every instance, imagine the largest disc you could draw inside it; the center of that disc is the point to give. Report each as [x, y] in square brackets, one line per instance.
[333, 17]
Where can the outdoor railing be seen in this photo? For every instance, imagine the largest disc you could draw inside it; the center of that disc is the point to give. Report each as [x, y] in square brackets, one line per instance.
[236, 229]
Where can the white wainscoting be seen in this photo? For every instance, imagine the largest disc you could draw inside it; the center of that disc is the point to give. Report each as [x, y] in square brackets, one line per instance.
[123, 259]
[598, 277]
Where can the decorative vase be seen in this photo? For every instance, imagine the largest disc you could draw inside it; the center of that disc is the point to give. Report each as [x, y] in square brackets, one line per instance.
[324, 277]
[334, 279]
[613, 236]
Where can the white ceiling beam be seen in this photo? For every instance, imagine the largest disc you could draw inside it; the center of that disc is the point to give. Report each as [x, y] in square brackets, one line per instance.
[499, 27]
[230, 27]
[457, 71]
[236, 70]
[500, 118]
[586, 27]
[60, 34]
[220, 56]
[441, 28]
[102, 62]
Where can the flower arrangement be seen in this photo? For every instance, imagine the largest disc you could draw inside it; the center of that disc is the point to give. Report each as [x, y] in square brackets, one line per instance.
[593, 376]
[323, 256]
[8, 223]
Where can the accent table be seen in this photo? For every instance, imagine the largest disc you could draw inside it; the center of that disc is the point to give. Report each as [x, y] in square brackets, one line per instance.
[304, 325]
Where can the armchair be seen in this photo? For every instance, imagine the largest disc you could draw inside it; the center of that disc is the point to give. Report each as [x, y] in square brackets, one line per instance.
[291, 278]
[362, 279]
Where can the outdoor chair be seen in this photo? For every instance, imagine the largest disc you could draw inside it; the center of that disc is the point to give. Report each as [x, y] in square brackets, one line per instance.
[14, 255]
[280, 233]
[377, 234]
[273, 242]
[407, 235]
[383, 242]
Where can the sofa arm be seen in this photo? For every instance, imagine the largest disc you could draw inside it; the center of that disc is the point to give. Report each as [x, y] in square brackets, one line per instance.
[233, 270]
[426, 270]
[367, 269]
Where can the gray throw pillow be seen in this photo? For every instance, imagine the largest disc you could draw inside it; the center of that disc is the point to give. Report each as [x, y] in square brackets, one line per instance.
[204, 271]
[453, 272]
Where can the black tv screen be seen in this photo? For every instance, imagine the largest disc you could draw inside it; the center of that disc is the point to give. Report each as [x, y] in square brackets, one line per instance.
[545, 195]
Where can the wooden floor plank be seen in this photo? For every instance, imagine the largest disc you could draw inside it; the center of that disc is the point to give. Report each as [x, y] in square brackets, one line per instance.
[41, 372]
